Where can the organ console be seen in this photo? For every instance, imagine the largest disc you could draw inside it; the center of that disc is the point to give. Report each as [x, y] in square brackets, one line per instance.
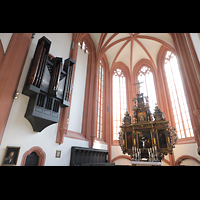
[48, 84]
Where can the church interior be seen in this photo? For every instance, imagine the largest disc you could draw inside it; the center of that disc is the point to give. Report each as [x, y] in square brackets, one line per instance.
[104, 99]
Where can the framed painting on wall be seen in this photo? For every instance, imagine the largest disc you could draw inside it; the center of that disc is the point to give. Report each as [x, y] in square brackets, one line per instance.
[11, 156]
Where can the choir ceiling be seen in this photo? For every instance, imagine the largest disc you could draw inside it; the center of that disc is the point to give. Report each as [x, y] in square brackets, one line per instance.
[130, 48]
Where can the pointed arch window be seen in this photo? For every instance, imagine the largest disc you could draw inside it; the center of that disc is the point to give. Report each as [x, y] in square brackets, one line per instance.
[148, 87]
[83, 46]
[177, 96]
[100, 85]
[119, 100]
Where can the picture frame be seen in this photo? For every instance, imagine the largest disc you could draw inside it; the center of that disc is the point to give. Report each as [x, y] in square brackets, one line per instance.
[129, 140]
[58, 153]
[162, 140]
[142, 116]
[11, 156]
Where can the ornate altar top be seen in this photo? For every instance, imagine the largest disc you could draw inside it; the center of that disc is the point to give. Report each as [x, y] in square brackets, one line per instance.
[149, 137]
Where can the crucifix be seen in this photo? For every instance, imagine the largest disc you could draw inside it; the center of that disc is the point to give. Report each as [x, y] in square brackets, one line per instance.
[143, 140]
[138, 85]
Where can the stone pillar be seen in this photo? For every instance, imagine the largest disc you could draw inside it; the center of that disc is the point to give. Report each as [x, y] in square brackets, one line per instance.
[189, 67]
[11, 67]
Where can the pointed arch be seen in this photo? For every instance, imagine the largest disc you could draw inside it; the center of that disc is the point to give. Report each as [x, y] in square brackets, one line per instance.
[39, 151]
[140, 64]
[136, 69]
[126, 72]
[121, 156]
[163, 92]
[89, 42]
[88, 123]
[149, 64]
[122, 66]
[175, 107]
[180, 159]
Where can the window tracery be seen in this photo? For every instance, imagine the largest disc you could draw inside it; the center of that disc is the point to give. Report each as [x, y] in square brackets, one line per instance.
[83, 46]
[148, 87]
[177, 96]
[119, 100]
[100, 86]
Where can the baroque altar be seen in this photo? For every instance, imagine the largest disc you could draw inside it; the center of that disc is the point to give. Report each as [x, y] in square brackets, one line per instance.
[149, 137]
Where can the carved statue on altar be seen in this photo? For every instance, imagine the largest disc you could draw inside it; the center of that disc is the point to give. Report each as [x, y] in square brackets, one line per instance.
[142, 117]
[143, 140]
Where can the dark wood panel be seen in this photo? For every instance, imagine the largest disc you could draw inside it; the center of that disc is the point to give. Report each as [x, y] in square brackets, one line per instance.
[81, 156]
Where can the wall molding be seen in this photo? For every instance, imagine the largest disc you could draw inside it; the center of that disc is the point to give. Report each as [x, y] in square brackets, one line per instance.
[121, 156]
[180, 159]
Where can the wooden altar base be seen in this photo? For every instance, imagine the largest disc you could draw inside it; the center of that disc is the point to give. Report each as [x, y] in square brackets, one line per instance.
[142, 163]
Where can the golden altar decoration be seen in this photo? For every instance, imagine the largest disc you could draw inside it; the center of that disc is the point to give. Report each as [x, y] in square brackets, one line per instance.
[146, 139]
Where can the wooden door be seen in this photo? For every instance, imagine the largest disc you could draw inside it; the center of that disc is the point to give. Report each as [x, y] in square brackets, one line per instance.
[32, 159]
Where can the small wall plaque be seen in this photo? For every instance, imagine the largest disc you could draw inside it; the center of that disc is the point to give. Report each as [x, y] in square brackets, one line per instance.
[58, 153]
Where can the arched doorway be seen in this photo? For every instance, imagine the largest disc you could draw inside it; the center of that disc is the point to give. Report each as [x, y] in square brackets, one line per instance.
[36, 157]
[32, 159]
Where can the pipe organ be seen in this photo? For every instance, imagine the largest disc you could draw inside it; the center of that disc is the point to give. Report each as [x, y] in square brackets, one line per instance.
[48, 84]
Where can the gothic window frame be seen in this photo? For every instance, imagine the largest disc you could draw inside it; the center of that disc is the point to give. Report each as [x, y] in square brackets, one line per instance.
[166, 94]
[126, 72]
[178, 101]
[100, 113]
[148, 70]
[88, 131]
[136, 70]
[119, 108]
[83, 46]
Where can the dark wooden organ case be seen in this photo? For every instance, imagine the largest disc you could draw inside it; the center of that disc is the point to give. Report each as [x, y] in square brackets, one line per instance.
[48, 84]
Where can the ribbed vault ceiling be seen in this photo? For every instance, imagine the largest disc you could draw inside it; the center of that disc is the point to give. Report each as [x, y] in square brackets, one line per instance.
[130, 48]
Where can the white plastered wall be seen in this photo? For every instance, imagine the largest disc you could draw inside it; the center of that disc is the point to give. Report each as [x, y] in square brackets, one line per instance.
[18, 131]
[196, 43]
[76, 111]
[5, 39]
